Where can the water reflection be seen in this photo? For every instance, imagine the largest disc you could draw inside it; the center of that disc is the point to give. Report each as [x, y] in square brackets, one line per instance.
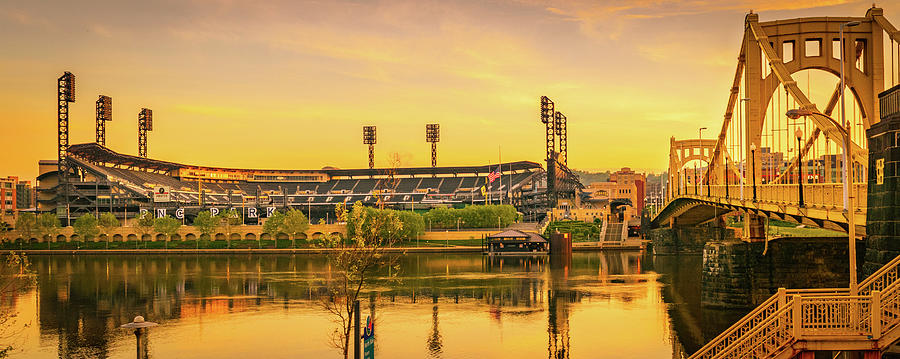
[591, 305]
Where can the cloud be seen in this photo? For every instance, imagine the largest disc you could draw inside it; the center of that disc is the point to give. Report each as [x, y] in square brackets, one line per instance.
[608, 20]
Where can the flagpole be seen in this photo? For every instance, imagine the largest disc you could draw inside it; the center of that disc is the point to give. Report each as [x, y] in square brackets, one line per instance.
[500, 167]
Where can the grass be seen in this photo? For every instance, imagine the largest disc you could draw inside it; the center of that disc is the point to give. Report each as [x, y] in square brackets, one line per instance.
[778, 228]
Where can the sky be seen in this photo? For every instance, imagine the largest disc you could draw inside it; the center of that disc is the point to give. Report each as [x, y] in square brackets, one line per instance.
[289, 84]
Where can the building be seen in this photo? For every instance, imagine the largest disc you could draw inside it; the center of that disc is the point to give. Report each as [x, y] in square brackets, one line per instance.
[624, 193]
[8, 194]
[25, 196]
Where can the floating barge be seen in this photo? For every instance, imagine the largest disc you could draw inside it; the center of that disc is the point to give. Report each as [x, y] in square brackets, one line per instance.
[514, 242]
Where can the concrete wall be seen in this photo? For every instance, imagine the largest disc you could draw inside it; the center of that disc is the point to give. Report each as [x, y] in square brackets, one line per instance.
[737, 274]
[253, 232]
[250, 232]
[454, 235]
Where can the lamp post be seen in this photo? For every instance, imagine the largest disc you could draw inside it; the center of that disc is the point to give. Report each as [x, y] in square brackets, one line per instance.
[139, 326]
[846, 156]
[753, 168]
[696, 191]
[702, 150]
[799, 134]
[741, 146]
[848, 205]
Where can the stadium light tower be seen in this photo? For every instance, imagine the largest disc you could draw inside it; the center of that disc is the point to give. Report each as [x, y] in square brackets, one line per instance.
[66, 87]
[433, 136]
[104, 113]
[145, 124]
[561, 133]
[547, 117]
[65, 94]
[369, 139]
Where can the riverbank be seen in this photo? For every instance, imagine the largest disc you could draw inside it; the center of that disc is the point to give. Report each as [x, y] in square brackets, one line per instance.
[460, 249]
[582, 247]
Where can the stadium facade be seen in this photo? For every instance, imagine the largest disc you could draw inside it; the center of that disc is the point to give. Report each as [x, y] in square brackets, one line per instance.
[94, 179]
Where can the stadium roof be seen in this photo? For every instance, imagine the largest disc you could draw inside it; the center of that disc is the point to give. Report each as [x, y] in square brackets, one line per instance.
[94, 152]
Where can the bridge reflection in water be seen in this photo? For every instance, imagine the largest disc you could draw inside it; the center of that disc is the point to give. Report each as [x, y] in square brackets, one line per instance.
[79, 302]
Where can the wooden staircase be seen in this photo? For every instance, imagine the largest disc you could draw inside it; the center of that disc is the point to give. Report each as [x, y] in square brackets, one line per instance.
[794, 321]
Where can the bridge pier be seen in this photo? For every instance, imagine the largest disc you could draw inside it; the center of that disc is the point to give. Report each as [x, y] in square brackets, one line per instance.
[754, 228]
[736, 274]
[883, 202]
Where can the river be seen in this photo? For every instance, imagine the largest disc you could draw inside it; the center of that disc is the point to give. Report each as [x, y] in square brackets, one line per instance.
[614, 304]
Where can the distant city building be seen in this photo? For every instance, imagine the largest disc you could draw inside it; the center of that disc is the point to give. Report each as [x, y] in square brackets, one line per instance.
[8, 194]
[24, 195]
[625, 186]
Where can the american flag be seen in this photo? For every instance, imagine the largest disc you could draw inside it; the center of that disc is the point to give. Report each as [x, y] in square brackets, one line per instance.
[494, 175]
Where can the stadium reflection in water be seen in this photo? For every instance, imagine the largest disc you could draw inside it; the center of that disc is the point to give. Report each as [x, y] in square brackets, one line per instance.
[609, 304]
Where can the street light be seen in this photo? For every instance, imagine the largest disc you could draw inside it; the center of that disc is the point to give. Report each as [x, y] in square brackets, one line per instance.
[799, 134]
[846, 156]
[741, 146]
[139, 326]
[851, 222]
[753, 168]
[702, 150]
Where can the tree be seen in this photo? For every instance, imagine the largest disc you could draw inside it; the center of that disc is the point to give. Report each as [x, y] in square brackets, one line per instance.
[26, 225]
[167, 226]
[357, 260]
[294, 224]
[413, 225]
[15, 276]
[144, 224]
[86, 227]
[273, 226]
[206, 223]
[229, 219]
[108, 222]
[340, 212]
[47, 226]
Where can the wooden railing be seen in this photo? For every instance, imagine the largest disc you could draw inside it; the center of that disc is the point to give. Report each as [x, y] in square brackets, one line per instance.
[813, 314]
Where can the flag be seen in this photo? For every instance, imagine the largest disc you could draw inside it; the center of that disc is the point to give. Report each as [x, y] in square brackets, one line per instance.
[494, 175]
[483, 191]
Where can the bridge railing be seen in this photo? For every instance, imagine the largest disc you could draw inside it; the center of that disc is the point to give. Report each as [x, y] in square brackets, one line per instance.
[821, 195]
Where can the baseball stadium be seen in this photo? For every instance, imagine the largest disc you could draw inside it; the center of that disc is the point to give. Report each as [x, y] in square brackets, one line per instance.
[92, 178]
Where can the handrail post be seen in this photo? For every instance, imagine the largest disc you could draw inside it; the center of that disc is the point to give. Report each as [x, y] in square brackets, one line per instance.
[796, 317]
[876, 314]
[782, 297]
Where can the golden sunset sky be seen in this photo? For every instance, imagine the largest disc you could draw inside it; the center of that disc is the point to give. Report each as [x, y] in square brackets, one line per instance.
[289, 84]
